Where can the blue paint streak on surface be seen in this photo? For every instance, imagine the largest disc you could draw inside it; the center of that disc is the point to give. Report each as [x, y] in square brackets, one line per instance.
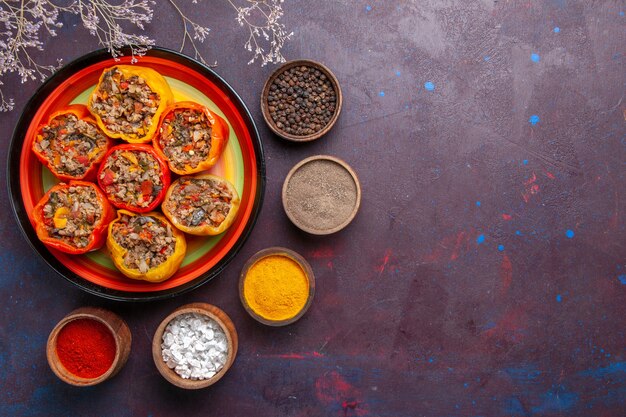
[524, 374]
[489, 325]
[43, 394]
[559, 298]
[478, 203]
[8, 258]
[382, 94]
[603, 372]
[429, 85]
[13, 409]
[556, 400]
[534, 119]
[535, 57]
[557, 29]
[500, 248]
[514, 408]
[609, 398]
[622, 279]
[569, 233]
[480, 239]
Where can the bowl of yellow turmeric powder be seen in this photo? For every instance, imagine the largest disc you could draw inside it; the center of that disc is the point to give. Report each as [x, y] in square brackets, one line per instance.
[276, 286]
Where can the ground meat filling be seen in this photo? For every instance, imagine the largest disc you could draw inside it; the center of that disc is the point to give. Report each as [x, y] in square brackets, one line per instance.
[71, 145]
[71, 214]
[186, 137]
[132, 177]
[125, 105]
[148, 241]
[199, 202]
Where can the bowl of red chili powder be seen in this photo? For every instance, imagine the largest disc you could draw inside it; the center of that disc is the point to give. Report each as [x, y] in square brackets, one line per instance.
[88, 346]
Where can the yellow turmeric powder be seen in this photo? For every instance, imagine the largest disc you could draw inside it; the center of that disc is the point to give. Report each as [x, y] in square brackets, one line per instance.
[276, 287]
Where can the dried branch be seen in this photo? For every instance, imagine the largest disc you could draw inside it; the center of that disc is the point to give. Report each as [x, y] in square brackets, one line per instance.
[105, 20]
[267, 30]
[198, 32]
[22, 21]
[26, 22]
[5, 105]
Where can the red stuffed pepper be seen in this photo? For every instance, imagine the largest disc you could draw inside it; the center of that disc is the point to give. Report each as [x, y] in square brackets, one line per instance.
[73, 218]
[134, 177]
[191, 137]
[71, 144]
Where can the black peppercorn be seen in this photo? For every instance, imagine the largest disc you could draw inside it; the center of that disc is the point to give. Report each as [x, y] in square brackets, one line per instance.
[301, 101]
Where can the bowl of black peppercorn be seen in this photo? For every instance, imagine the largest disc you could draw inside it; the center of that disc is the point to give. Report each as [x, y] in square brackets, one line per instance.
[301, 100]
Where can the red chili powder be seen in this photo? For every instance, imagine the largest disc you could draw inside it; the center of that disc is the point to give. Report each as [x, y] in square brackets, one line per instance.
[86, 348]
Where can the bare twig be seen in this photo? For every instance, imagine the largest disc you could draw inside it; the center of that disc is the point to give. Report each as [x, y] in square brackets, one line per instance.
[198, 32]
[23, 23]
[268, 30]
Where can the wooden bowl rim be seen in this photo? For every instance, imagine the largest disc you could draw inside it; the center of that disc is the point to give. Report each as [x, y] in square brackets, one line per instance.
[357, 205]
[299, 259]
[90, 313]
[265, 106]
[216, 314]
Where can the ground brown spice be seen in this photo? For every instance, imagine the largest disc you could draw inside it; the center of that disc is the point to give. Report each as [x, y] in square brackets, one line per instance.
[321, 195]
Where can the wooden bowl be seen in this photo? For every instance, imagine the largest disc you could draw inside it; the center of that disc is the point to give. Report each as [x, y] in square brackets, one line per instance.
[213, 313]
[118, 328]
[276, 250]
[306, 201]
[265, 106]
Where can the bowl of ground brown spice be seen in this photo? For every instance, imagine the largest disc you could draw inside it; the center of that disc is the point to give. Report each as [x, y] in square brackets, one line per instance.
[301, 100]
[321, 194]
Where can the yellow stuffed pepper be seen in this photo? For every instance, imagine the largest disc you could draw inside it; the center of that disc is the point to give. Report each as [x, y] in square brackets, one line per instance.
[201, 205]
[145, 246]
[128, 102]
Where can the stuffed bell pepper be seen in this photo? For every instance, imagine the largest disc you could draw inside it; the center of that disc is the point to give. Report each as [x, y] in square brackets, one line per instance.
[201, 205]
[145, 246]
[191, 137]
[71, 144]
[134, 177]
[128, 102]
[73, 218]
